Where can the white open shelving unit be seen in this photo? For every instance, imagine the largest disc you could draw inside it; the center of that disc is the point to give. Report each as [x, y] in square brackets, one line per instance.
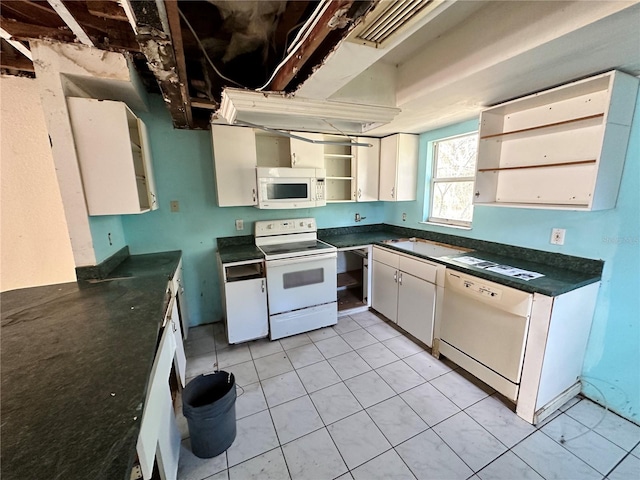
[340, 164]
[563, 148]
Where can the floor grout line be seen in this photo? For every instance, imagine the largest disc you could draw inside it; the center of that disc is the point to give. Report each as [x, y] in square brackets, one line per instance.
[396, 394]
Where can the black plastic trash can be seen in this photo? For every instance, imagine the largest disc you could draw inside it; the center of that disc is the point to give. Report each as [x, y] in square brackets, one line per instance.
[209, 405]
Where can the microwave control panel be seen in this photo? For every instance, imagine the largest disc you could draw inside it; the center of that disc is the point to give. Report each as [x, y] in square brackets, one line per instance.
[320, 189]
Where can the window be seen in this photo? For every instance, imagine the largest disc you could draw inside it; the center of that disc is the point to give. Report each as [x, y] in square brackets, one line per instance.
[452, 178]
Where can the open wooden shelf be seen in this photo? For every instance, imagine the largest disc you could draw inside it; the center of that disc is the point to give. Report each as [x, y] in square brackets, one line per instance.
[542, 165]
[547, 125]
[562, 148]
[349, 279]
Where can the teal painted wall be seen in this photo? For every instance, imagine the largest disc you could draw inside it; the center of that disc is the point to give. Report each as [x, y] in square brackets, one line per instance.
[612, 362]
[107, 235]
[183, 169]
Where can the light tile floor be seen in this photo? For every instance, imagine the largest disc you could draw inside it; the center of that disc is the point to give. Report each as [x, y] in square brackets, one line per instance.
[362, 401]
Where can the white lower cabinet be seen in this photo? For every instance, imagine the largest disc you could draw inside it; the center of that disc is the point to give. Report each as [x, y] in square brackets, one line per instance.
[159, 437]
[404, 290]
[385, 290]
[244, 293]
[416, 305]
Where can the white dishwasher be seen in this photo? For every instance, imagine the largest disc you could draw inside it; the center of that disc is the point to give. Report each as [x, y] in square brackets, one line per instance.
[484, 329]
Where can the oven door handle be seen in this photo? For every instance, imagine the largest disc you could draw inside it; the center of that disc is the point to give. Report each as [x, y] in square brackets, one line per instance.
[295, 260]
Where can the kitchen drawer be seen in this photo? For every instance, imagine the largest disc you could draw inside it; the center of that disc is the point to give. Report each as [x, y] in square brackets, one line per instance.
[418, 268]
[385, 256]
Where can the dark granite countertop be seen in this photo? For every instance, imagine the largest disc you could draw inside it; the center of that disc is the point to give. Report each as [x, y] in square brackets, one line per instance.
[239, 253]
[76, 359]
[562, 273]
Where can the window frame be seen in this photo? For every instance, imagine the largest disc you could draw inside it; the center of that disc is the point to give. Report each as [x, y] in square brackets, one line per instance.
[433, 180]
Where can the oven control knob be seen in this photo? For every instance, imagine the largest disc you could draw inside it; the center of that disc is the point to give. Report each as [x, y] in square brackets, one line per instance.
[302, 224]
[310, 225]
[270, 226]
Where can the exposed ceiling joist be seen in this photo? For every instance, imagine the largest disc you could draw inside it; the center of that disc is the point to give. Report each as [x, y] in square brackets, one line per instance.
[173, 16]
[25, 31]
[154, 37]
[71, 22]
[15, 44]
[22, 64]
[107, 9]
[334, 16]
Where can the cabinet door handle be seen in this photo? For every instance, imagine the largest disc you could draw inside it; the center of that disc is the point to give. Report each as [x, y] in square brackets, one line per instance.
[262, 286]
[293, 159]
[395, 276]
[393, 191]
[253, 193]
[359, 193]
[400, 279]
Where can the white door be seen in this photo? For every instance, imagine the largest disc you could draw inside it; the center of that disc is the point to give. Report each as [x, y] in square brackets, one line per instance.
[307, 154]
[416, 306]
[388, 165]
[235, 161]
[407, 167]
[301, 282]
[247, 317]
[148, 167]
[385, 290]
[367, 170]
[180, 360]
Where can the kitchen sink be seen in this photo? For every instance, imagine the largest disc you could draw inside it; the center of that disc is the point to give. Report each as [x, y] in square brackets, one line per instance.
[426, 247]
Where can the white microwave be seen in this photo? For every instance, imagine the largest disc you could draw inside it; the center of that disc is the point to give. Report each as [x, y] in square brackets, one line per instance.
[290, 187]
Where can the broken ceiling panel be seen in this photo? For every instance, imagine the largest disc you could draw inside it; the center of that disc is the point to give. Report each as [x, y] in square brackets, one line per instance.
[192, 50]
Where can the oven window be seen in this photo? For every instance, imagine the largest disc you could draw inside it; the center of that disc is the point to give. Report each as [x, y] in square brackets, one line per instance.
[302, 278]
[285, 191]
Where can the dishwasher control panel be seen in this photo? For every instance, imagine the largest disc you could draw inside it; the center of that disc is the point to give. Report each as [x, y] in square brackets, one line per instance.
[490, 292]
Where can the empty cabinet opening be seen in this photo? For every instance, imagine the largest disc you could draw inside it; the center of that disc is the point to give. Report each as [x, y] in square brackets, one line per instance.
[272, 150]
[352, 279]
[237, 273]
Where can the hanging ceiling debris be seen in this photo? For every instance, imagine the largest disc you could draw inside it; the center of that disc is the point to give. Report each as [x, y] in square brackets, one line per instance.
[189, 51]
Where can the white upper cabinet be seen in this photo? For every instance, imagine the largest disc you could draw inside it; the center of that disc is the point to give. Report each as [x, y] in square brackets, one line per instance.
[398, 167]
[306, 154]
[235, 161]
[562, 148]
[339, 163]
[367, 170]
[114, 155]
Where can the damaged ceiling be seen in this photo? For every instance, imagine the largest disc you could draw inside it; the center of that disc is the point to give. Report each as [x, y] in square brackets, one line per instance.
[189, 51]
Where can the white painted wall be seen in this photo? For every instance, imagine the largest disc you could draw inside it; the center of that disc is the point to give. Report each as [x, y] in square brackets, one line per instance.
[34, 241]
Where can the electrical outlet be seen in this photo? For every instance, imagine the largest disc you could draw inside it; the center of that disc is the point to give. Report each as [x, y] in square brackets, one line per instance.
[404, 217]
[239, 224]
[557, 236]
[175, 206]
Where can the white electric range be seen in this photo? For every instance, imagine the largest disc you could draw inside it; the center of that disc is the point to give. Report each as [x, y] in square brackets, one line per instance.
[301, 276]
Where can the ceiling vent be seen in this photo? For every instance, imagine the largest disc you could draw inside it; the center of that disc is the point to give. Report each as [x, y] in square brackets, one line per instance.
[389, 19]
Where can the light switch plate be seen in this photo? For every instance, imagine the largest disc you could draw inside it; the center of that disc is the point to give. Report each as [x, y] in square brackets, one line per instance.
[239, 224]
[557, 236]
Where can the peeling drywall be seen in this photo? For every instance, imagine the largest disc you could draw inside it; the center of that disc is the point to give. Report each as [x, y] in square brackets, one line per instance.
[35, 246]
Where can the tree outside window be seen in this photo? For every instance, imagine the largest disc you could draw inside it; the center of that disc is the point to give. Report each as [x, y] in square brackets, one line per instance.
[452, 180]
